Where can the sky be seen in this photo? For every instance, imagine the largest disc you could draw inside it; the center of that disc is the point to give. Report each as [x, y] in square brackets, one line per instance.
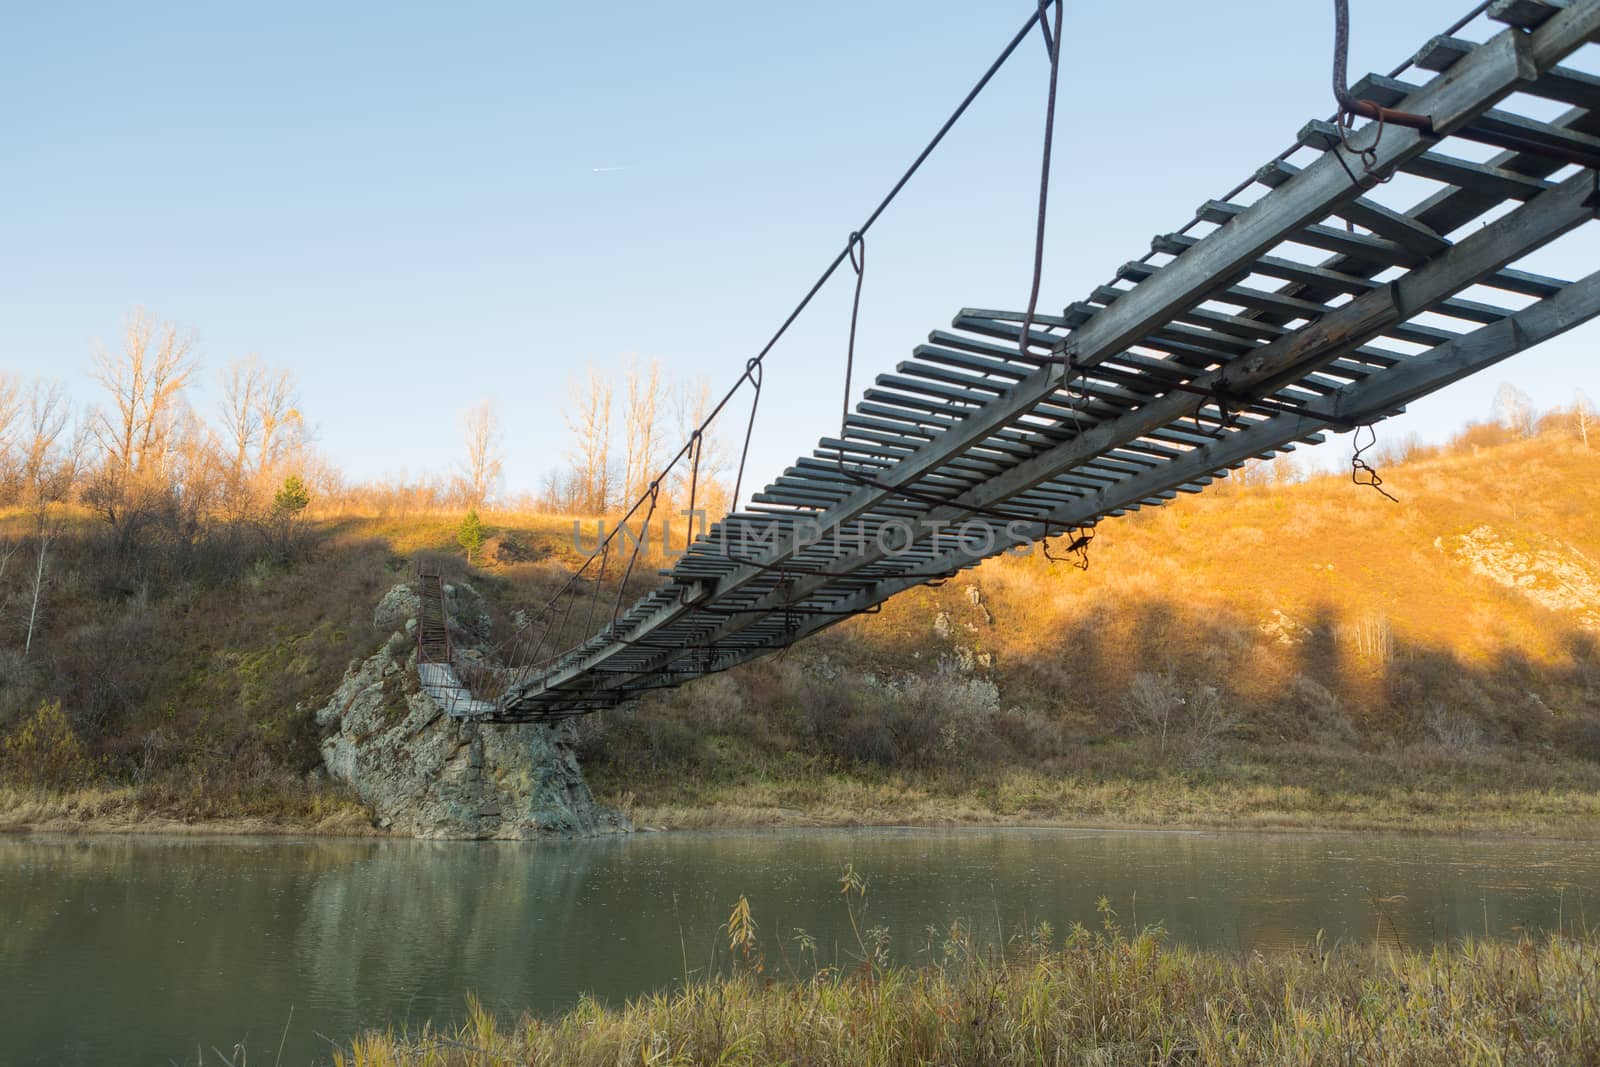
[416, 207]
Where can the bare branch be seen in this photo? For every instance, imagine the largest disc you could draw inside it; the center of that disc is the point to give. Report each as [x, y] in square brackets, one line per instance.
[481, 427]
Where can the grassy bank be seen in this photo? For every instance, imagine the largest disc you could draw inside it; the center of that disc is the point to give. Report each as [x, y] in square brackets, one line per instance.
[1403, 788]
[1408, 789]
[1101, 998]
[114, 809]
[1415, 789]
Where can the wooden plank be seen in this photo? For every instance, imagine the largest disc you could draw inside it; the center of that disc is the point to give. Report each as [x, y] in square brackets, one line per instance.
[1391, 225]
[1575, 304]
[1441, 53]
[1480, 178]
[1564, 85]
[1524, 14]
[1359, 246]
[1533, 137]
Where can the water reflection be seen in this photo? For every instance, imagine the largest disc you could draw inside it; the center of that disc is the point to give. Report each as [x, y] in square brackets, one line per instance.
[139, 949]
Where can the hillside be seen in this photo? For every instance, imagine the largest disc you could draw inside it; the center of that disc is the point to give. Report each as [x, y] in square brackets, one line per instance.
[1273, 653]
[1302, 653]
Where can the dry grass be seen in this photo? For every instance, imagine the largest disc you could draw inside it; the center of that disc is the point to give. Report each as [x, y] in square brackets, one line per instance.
[1102, 999]
[131, 809]
[1418, 790]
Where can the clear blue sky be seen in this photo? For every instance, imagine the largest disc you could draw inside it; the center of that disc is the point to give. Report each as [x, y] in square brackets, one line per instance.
[414, 207]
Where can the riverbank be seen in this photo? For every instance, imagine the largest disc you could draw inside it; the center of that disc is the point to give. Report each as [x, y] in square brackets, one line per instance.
[1398, 791]
[1408, 789]
[1100, 998]
[132, 810]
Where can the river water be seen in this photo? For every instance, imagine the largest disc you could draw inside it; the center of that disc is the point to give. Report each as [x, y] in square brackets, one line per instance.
[155, 950]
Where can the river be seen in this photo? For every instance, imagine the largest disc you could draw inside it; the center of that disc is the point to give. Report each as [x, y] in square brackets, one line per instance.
[135, 949]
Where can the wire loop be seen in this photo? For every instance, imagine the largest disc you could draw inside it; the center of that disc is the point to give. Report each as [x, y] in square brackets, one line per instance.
[1362, 472]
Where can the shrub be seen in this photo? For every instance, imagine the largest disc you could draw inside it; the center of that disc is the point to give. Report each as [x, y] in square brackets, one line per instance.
[1028, 733]
[625, 738]
[1581, 737]
[1153, 706]
[867, 738]
[1189, 724]
[715, 702]
[509, 549]
[1450, 729]
[44, 752]
[1317, 712]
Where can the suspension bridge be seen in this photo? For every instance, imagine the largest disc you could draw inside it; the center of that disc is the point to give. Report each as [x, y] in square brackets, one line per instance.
[1317, 296]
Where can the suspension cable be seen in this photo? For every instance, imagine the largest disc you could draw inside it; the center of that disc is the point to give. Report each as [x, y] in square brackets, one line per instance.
[1052, 45]
[644, 536]
[755, 362]
[752, 371]
[860, 267]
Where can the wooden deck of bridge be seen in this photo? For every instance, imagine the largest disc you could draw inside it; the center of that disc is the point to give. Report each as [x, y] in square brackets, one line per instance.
[1302, 303]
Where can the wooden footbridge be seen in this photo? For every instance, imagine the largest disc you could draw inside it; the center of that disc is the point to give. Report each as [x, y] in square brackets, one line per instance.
[1305, 301]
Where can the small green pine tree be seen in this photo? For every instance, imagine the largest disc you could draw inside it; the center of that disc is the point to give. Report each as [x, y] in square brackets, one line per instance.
[291, 498]
[469, 535]
[288, 506]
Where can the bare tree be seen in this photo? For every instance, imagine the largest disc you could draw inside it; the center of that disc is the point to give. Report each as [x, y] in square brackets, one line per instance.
[589, 456]
[1583, 412]
[145, 381]
[40, 577]
[10, 409]
[641, 430]
[555, 493]
[49, 468]
[10, 404]
[241, 427]
[283, 432]
[693, 403]
[1253, 473]
[481, 428]
[1514, 409]
[49, 462]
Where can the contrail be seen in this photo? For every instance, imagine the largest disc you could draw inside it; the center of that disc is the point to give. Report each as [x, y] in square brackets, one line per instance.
[605, 170]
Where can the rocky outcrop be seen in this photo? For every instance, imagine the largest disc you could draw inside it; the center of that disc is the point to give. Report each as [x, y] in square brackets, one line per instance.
[1552, 574]
[428, 775]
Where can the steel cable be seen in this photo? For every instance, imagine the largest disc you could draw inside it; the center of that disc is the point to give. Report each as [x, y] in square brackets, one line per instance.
[944, 128]
[1053, 46]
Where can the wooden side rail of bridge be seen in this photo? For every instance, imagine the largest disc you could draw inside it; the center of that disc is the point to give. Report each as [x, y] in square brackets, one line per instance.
[438, 672]
[1303, 304]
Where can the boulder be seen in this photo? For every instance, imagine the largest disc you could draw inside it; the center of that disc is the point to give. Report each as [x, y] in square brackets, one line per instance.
[397, 606]
[428, 775]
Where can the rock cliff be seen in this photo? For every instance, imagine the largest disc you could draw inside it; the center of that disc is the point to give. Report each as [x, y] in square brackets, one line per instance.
[428, 775]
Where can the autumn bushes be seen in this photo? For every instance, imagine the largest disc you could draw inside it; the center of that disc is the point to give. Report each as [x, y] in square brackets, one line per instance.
[192, 689]
[814, 707]
[43, 752]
